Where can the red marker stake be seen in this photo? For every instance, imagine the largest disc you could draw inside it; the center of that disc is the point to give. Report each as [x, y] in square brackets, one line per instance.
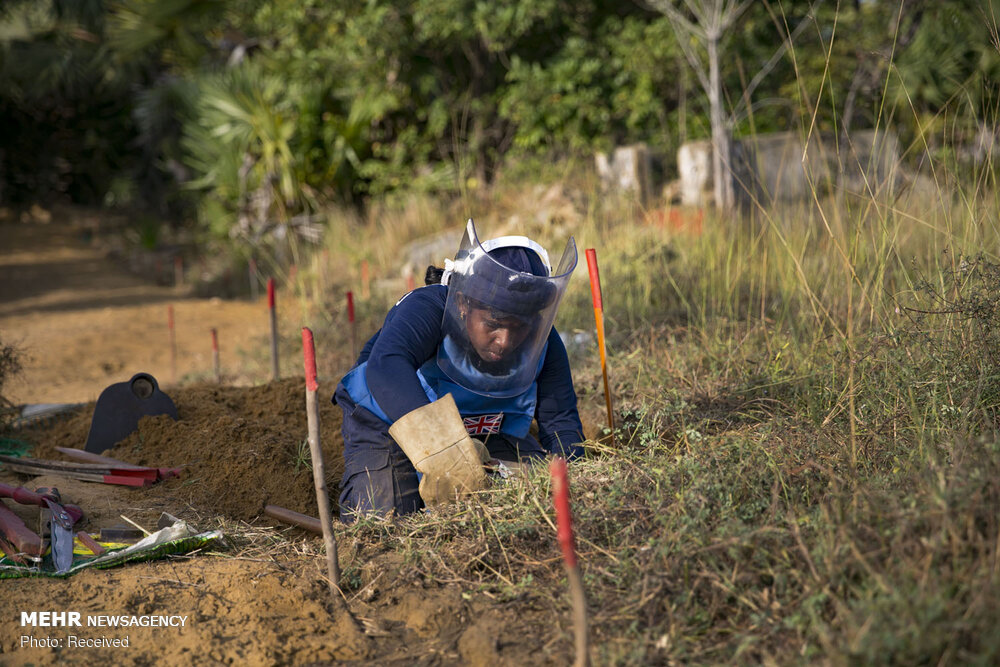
[354, 327]
[215, 356]
[410, 282]
[275, 373]
[564, 523]
[173, 343]
[316, 452]
[595, 293]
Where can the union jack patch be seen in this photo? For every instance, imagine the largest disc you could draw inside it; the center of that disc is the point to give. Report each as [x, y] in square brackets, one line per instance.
[483, 424]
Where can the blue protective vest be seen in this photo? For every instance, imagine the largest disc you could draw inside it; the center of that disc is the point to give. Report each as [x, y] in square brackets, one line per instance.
[482, 414]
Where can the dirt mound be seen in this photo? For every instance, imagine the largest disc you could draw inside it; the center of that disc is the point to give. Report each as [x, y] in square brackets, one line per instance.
[241, 448]
[234, 611]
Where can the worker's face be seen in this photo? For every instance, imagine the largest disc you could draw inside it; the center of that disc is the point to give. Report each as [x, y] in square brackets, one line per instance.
[494, 335]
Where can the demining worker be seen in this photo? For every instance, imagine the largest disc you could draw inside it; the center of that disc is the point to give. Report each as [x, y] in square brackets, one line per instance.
[454, 378]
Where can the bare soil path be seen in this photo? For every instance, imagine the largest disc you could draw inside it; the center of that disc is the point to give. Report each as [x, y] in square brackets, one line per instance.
[82, 321]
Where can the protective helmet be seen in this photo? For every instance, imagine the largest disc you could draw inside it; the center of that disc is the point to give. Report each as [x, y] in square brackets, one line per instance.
[512, 278]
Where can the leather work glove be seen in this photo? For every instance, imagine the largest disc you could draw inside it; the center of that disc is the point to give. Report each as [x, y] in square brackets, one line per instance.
[434, 438]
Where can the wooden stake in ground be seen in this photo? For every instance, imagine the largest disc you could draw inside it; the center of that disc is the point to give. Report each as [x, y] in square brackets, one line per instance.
[365, 279]
[215, 356]
[595, 293]
[319, 474]
[252, 271]
[173, 343]
[324, 261]
[178, 271]
[564, 523]
[353, 326]
[303, 521]
[275, 373]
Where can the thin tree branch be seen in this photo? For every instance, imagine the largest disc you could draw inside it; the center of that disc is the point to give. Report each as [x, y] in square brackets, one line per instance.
[684, 29]
[776, 57]
[725, 18]
[676, 17]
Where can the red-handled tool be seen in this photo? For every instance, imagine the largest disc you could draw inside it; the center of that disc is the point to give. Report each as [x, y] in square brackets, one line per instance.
[60, 524]
[52, 493]
[19, 538]
[40, 497]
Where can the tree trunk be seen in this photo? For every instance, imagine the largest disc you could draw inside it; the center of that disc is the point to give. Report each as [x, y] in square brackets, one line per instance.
[721, 175]
[682, 106]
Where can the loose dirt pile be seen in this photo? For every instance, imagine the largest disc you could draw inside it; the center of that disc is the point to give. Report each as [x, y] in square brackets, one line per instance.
[241, 448]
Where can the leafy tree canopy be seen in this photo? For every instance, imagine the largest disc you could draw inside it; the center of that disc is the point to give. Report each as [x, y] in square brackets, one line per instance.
[255, 112]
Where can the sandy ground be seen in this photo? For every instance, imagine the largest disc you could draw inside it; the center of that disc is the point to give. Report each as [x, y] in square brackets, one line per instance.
[84, 323]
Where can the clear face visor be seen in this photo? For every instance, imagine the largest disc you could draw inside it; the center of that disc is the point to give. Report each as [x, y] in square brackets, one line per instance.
[497, 319]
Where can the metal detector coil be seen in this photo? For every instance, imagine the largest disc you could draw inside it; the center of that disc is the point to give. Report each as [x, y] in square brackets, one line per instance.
[119, 408]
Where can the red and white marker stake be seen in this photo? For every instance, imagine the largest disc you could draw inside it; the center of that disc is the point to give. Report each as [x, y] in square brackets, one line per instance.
[275, 372]
[595, 293]
[316, 452]
[353, 325]
[173, 343]
[215, 356]
[564, 524]
[178, 271]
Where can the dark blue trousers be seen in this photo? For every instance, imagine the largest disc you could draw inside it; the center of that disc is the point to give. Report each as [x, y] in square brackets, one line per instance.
[379, 478]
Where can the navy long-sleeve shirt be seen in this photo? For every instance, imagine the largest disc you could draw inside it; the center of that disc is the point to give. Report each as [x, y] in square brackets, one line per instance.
[410, 336]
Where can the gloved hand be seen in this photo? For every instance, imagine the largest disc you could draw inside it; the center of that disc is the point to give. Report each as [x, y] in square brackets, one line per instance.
[434, 438]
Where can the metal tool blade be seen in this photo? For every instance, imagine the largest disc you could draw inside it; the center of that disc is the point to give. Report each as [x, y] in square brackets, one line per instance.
[61, 534]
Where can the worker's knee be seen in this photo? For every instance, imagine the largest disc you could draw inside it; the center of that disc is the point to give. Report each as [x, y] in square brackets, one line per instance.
[378, 482]
[378, 478]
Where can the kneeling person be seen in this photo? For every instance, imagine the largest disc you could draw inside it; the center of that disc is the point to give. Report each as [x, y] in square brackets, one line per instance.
[455, 377]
